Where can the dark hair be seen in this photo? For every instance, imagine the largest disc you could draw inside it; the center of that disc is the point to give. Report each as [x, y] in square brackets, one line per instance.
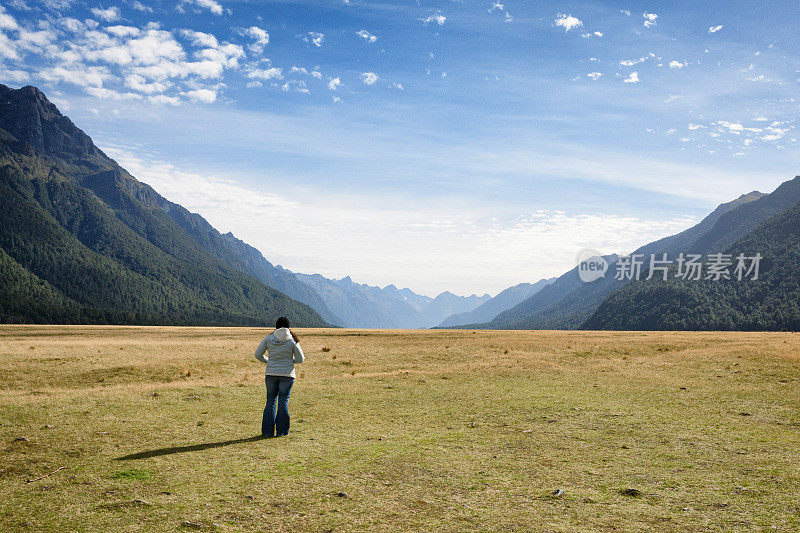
[283, 322]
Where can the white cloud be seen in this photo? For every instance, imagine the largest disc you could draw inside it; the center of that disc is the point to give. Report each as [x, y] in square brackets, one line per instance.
[567, 22]
[79, 75]
[334, 83]
[594, 75]
[272, 73]
[17, 76]
[437, 17]
[138, 6]
[676, 64]
[592, 34]
[110, 94]
[139, 84]
[199, 38]
[8, 48]
[500, 8]
[161, 99]
[650, 19]
[7, 22]
[298, 86]
[625, 12]
[369, 78]
[211, 5]
[633, 77]
[715, 29]
[206, 96]
[260, 36]
[367, 36]
[314, 38]
[298, 70]
[695, 126]
[123, 31]
[631, 62]
[497, 6]
[119, 58]
[398, 86]
[109, 15]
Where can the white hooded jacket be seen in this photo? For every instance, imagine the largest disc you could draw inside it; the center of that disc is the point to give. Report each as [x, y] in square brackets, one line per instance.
[283, 353]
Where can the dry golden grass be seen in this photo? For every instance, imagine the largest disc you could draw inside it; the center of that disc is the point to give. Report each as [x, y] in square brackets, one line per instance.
[449, 430]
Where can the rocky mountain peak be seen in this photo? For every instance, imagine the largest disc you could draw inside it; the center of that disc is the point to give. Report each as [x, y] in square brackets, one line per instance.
[30, 117]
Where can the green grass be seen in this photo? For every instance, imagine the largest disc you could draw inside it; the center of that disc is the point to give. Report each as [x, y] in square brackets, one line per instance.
[132, 474]
[401, 430]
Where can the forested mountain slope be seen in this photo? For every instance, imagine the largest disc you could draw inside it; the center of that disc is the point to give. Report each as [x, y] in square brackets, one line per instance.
[84, 242]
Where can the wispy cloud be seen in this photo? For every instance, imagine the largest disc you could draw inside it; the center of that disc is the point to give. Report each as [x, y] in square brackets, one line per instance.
[568, 22]
[314, 37]
[367, 36]
[211, 5]
[436, 18]
[369, 78]
[506, 249]
[109, 15]
[259, 35]
[633, 77]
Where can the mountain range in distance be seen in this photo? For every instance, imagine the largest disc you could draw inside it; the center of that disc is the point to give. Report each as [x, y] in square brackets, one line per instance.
[83, 241]
[752, 221]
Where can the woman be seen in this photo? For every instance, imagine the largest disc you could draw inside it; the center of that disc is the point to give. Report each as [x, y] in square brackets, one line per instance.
[284, 352]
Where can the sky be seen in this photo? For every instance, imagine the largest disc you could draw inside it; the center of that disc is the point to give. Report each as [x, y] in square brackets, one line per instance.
[451, 145]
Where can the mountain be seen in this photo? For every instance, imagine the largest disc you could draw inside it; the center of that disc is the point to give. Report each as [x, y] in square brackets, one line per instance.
[771, 302]
[416, 301]
[82, 241]
[493, 307]
[568, 302]
[360, 306]
[365, 306]
[447, 304]
[546, 299]
[278, 278]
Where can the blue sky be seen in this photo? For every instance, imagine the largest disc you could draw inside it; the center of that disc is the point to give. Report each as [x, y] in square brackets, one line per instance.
[464, 145]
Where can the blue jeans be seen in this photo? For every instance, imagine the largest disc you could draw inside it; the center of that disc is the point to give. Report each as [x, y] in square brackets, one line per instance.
[278, 388]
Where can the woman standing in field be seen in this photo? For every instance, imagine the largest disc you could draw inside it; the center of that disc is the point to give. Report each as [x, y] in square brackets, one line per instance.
[284, 352]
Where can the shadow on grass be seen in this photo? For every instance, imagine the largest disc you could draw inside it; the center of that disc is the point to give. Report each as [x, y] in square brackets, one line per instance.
[182, 449]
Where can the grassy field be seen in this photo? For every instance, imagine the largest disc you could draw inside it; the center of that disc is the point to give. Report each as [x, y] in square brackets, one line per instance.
[153, 430]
